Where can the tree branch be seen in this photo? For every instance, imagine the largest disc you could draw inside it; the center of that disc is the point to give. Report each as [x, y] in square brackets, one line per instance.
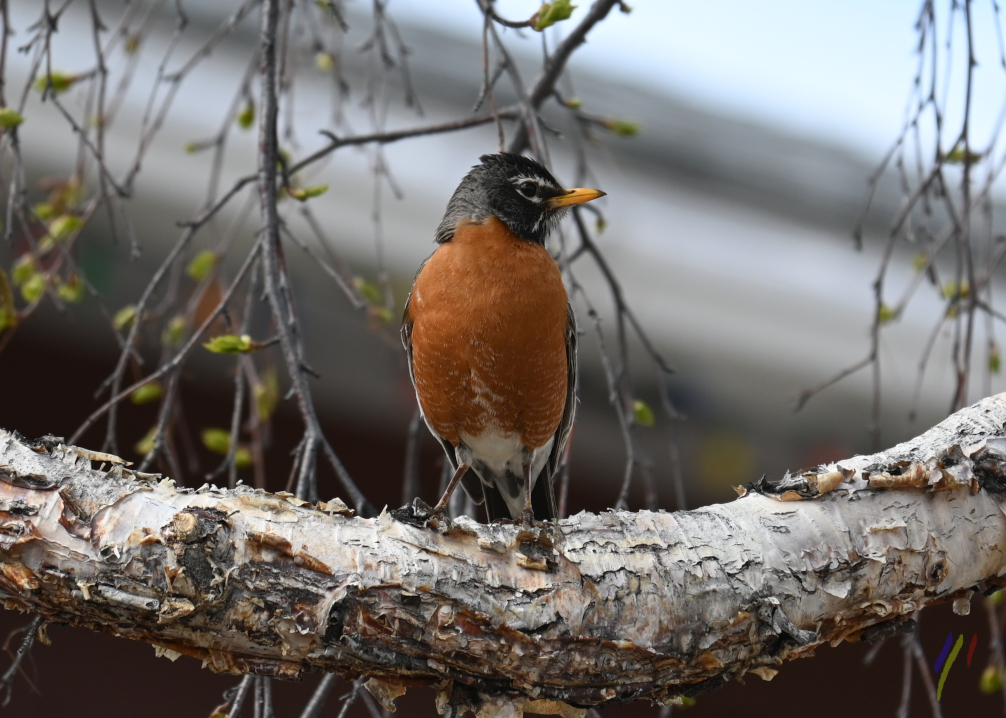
[544, 84]
[596, 608]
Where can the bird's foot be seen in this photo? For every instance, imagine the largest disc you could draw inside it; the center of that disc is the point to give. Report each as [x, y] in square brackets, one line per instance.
[527, 518]
[417, 513]
[434, 516]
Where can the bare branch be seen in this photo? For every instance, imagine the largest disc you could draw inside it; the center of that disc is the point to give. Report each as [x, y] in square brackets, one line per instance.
[275, 276]
[544, 84]
[7, 680]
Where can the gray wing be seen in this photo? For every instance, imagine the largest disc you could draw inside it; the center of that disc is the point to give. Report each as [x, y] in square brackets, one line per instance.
[406, 333]
[566, 423]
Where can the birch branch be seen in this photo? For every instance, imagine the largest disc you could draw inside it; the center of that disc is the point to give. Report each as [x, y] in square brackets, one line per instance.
[612, 607]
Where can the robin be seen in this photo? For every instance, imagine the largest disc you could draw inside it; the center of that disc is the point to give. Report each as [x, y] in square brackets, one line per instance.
[491, 337]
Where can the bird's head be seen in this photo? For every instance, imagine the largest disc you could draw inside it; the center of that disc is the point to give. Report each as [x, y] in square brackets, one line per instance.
[515, 189]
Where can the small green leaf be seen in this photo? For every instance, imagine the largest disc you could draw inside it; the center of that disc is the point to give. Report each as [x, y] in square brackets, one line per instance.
[9, 117]
[217, 440]
[267, 394]
[958, 156]
[63, 227]
[44, 211]
[124, 317]
[997, 598]
[22, 270]
[370, 292]
[8, 312]
[324, 61]
[174, 332]
[242, 457]
[68, 194]
[151, 391]
[885, 314]
[33, 288]
[991, 680]
[600, 225]
[574, 103]
[303, 194]
[642, 413]
[552, 12]
[919, 261]
[382, 314]
[687, 702]
[246, 117]
[201, 265]
[132, 44]
[59, 81]
[145, 445]
[951, 290]
[192, 147]
[995, 359]
[229, 344]
[622, 128]
[72, 290]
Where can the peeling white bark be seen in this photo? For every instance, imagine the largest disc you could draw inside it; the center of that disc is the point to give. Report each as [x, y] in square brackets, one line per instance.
[616, 606]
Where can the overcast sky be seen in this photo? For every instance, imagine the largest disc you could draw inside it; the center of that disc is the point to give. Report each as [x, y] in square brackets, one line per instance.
[840, 71]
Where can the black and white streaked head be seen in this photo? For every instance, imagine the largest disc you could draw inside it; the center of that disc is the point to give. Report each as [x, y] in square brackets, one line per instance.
[515, 189]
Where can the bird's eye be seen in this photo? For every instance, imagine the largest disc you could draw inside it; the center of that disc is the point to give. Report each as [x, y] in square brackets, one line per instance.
[527, 188]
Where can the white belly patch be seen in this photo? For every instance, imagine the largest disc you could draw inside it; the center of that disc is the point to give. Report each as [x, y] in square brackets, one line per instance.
[494, 448]
[498, 459]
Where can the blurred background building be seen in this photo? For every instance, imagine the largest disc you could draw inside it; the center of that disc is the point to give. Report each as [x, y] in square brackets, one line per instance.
[729, 223]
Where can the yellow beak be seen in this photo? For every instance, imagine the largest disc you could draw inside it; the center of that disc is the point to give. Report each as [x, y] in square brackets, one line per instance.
[574, 196]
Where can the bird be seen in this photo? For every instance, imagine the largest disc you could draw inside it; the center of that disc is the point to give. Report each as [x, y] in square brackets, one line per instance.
[491, 338]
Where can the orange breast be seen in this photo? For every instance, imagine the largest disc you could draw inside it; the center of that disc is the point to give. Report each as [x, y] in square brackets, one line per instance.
[489, 350]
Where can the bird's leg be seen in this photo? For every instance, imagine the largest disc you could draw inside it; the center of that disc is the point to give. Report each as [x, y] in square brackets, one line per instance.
[441, 507]
[527, 515]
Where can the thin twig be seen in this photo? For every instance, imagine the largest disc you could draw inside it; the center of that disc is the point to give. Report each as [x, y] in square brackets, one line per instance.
[320, 696]
[7, 680]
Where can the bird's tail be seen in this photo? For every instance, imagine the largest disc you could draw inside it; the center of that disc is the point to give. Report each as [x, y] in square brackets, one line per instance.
[542, 500]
